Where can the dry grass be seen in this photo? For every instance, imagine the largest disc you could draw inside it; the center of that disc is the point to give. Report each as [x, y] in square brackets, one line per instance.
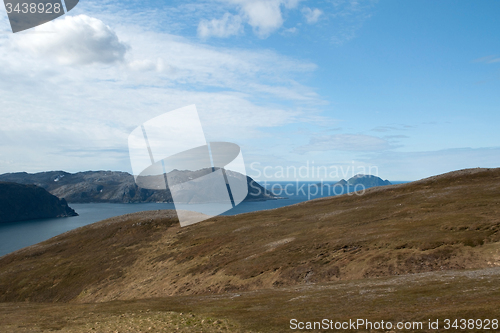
[415, 297]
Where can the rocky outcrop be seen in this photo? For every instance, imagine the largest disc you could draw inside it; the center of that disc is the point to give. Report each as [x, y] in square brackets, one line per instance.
[28, 202]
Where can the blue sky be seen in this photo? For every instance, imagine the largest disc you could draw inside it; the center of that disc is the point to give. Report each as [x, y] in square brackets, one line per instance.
[410, 88]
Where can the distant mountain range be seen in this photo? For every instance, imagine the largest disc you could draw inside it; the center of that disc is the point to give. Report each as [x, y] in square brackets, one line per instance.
[366, 181]
[117, 187]
[20, 202]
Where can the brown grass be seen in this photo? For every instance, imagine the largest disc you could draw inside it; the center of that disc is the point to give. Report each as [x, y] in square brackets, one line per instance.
[415, 297]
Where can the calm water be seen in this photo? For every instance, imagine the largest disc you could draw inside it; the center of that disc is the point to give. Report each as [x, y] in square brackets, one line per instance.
[16, 235]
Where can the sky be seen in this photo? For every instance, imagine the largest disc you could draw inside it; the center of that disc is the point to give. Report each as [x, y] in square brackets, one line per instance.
[400, 89]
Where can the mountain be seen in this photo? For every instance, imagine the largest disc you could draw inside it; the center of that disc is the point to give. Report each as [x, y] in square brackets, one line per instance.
[342, 182]
[116, 187]
[367, 181]
[28, 202]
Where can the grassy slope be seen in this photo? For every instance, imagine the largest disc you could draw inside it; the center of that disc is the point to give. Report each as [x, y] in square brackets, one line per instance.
[447, 222]
[415, 298]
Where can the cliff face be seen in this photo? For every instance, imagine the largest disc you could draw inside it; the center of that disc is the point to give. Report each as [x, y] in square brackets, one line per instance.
[113, 187]
[28, 202]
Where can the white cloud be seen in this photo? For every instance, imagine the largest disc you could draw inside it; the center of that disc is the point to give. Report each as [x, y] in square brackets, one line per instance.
[228, 25]
[344, 142]
[311, 15]
[291, 4]
[228, 68]
[264, 16]
[146, 65]
[292, 30]
[342, 18]
[491, 59]
[73, 40]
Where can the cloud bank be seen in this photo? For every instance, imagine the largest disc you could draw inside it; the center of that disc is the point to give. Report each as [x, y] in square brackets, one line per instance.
[72, 90]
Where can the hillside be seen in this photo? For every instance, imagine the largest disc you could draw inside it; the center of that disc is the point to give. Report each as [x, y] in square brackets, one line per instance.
[114, 187]
[448, 222]
[28, 202]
